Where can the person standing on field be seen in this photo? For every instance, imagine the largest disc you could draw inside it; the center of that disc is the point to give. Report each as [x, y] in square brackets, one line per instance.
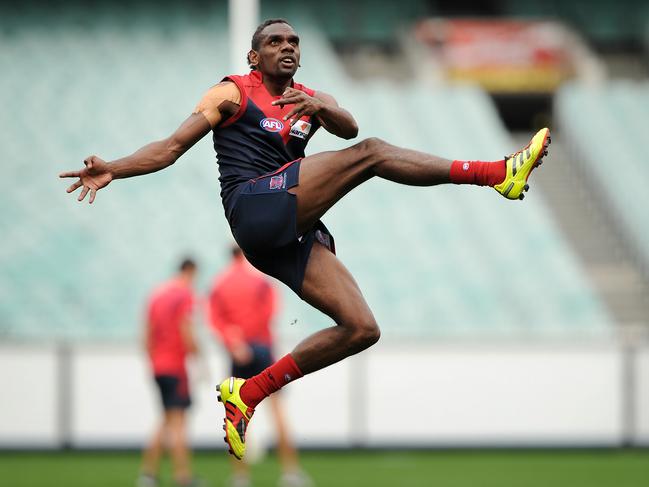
[169, 341]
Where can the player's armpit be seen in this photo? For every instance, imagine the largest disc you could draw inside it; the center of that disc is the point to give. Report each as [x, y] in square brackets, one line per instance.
[219, 103]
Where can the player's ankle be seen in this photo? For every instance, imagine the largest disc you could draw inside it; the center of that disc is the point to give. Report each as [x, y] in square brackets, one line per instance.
[251, 394]
[481, 173]
[272, 379]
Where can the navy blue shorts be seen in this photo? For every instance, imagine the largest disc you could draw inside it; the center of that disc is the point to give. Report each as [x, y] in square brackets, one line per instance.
[174, 391]
[262, 357]
[264, 220]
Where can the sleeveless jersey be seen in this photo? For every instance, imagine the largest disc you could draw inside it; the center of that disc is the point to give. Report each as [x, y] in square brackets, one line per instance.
[256, 141]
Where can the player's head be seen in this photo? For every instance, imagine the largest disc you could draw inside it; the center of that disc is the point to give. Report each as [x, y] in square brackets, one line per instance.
[188, 268]
[275, 49]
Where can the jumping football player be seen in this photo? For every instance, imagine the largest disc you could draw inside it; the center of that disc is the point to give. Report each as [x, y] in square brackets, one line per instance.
[274, 197]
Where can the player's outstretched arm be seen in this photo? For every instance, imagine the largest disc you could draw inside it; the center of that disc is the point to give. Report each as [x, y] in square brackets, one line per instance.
[333, 118]
[151, 158]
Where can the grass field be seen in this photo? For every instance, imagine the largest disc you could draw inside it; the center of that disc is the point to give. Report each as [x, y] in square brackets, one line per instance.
[609, 468]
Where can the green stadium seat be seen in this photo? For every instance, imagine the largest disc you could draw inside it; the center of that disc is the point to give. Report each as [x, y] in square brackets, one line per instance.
[615, 116]
[432, 262]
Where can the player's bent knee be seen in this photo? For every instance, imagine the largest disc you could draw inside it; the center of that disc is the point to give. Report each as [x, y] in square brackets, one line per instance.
[372, 151]
[372, 335]
[365, 336]
[371, 146]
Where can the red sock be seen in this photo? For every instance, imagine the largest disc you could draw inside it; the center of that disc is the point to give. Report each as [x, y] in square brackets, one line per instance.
[481, 173]
[270, 380]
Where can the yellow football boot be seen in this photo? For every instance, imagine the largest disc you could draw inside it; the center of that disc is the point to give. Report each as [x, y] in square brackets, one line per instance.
[519, 166]
[237, 415]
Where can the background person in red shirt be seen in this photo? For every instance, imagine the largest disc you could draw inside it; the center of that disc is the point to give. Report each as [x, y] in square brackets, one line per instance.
[169, 339]
[242, 305]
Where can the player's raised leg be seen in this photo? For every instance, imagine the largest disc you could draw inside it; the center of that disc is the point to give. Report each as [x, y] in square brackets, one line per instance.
[329, 287]
[328, 176]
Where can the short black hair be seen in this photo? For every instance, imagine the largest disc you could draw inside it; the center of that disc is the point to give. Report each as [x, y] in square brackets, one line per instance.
[255, 42]
[187, 264]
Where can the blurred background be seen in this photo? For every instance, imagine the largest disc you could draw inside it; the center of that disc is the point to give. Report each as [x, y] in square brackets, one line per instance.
[519, 330]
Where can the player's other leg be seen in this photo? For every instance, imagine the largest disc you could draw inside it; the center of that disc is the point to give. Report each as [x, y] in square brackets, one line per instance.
[151, 458]
[178, 447]
[329, 287]
[328, 176]
[292, 474]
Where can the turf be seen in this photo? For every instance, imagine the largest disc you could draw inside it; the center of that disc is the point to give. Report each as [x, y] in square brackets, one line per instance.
[607, 468]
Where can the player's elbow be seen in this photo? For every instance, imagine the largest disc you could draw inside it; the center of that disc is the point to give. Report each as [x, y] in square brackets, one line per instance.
[352, 131]
[173, 150]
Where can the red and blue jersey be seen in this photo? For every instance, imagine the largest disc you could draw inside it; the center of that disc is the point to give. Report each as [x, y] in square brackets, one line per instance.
[256, 140]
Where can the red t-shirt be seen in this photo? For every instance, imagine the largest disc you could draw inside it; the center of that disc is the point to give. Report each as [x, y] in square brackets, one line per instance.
[242, 304]
[169, 306]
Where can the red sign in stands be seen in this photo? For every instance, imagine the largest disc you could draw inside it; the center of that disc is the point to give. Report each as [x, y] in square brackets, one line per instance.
[501, 55]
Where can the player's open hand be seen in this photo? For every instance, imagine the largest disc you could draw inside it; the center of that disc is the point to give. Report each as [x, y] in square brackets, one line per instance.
[93, 177]
[305, 105]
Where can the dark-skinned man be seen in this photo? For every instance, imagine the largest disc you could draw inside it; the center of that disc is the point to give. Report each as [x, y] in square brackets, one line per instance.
[274, 197]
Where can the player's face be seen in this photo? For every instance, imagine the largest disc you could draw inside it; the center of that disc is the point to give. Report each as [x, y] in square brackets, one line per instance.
[279, 53]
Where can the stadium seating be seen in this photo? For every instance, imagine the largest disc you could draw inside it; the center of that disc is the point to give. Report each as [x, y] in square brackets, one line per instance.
[432, 262]
[615, 117]
[380, 20]
[603, 22]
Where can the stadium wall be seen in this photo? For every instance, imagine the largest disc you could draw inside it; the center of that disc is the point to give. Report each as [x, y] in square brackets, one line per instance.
[463, 395]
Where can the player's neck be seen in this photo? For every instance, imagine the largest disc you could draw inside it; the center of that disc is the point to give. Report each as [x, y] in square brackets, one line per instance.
[276, 86]
[184, 279]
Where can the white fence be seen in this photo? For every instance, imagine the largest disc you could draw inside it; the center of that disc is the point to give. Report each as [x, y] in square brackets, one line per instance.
[394, 395]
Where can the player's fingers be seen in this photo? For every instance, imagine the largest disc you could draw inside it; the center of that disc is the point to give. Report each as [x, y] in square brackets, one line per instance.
[88, 161]
[93, 193]
[297, 117]
[298, 112]
[286, 100]
[296, 109]
[74, 186]
[293, 92]
[83, 193]
[280, 101]
[70, 174]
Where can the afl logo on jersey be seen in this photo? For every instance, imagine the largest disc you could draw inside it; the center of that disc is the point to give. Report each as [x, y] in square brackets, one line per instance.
[271, 125]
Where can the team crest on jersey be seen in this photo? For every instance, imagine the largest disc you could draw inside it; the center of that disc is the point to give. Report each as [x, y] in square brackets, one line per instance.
[277, 182]
[301, 129]
[271, 125]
